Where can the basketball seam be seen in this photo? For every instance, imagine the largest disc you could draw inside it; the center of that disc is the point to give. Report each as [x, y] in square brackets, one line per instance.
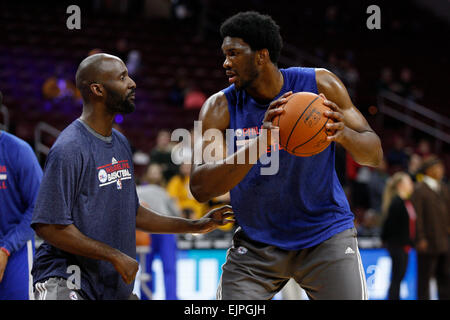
[293, 128]
[293, 150]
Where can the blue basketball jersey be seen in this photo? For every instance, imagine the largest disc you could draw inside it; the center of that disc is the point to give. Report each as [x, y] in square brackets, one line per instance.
[303, 204]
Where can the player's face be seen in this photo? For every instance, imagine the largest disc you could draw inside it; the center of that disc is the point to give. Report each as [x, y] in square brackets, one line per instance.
[120, 90]
[240, 62]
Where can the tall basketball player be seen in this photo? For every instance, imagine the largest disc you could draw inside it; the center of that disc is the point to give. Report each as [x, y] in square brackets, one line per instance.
[296, 223]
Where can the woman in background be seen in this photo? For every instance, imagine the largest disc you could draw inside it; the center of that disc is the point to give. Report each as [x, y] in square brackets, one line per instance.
[398, 230]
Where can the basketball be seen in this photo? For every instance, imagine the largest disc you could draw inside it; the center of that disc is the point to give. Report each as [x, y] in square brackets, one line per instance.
[302, 125]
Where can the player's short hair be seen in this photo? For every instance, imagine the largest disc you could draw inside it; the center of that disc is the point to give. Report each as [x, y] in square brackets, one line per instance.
[259, 31]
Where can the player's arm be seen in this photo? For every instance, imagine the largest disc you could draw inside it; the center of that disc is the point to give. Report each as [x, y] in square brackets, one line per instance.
[28, 175]
[70, 239]
[214, 178]
[352, 130]
[152, 222]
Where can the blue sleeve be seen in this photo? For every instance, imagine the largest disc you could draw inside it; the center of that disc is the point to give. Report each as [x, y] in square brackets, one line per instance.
[28, 176]
[59, 187]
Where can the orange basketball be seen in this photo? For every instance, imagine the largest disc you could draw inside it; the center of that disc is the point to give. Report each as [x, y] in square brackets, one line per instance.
[302, 125]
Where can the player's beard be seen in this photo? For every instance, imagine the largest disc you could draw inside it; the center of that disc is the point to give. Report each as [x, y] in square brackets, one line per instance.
[250, 74]
[115, 103]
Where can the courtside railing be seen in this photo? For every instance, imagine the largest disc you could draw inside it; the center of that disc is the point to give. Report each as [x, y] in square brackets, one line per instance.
[415, 115]
[39, 147]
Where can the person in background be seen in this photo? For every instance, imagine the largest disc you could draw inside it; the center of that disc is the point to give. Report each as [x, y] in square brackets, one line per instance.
[153, 195]
[161, 154]
[431, 200]
[20, 177]
[414, 164]
[178, 189]
[398, 230]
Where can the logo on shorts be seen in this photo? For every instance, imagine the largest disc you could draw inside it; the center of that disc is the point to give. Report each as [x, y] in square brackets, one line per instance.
[73, 295]
[349, 251]
[242, 250]
[119, 184]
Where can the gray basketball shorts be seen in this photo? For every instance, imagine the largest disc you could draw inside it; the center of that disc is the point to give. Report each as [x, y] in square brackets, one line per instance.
[55, 289]
[331, 270]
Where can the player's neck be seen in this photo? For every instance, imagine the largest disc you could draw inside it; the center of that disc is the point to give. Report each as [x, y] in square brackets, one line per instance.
[267, 86]
[100, 121]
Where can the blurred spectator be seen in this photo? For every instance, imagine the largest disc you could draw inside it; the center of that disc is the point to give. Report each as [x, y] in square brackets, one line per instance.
[397, 157]
[133, 63]
[58, 87]
[161, 154]
[415, 161]
[178, 188]
[387, 82]
[331, 22]
[152, 195]
[186, 11]
[431, 200]
[423, 148]
[407, 87]
[121, 50]
[398, 229]
[194, 98]
[178, 90]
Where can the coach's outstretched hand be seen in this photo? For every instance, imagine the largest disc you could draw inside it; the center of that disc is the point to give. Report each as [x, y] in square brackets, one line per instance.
[215, 218]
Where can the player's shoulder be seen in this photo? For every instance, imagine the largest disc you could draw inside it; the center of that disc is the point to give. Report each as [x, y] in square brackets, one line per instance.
[214, 112]
[18, 149]
[120, 136]
[122, 139]
[299, 70]
[14, 141]
[326, 77]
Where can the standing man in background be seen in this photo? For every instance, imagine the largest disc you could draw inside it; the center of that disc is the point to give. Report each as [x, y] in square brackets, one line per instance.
[20, 177]
[431, 200]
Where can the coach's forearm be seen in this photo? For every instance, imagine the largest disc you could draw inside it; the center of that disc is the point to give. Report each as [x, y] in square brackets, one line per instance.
[70, 239]
[210, 180]
[153, 222]
[364, 147]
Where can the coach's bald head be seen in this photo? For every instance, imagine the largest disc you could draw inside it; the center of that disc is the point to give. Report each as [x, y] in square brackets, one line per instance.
[103, 78]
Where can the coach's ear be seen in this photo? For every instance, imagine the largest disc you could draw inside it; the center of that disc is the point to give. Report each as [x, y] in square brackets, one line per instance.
[262, 56]
[97, 89]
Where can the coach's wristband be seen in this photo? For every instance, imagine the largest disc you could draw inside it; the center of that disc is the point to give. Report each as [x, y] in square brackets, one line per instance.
[5, 251]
